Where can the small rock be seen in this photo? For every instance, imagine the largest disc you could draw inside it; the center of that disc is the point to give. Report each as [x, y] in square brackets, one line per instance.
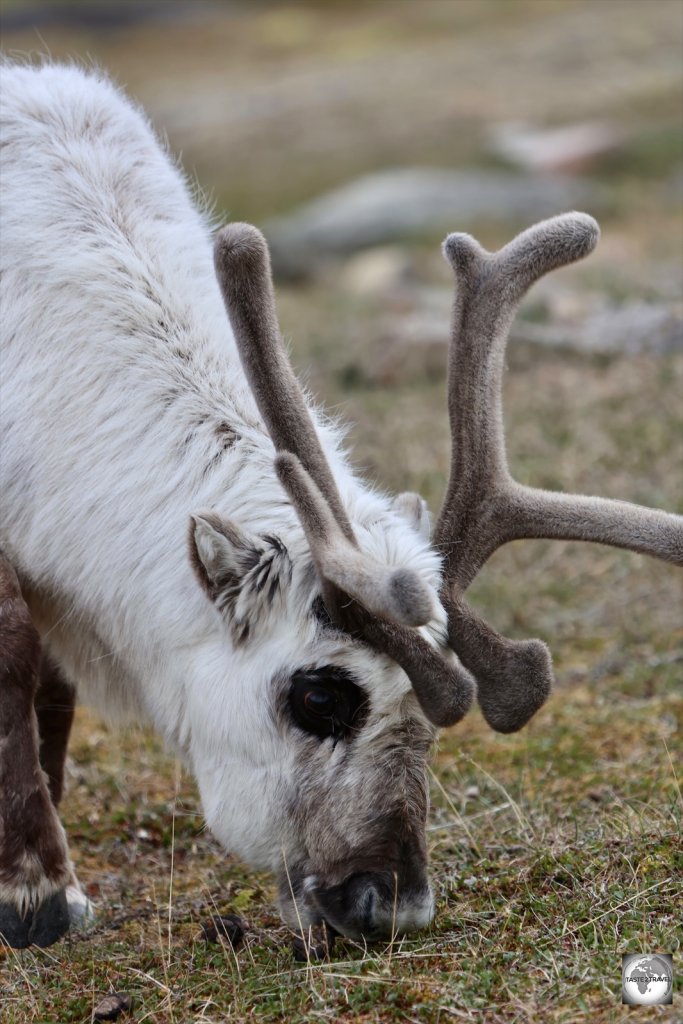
[632, 328]
[314, 945]
[628, 329]
[229, 926]
[600, 794]
[567, 149]
[112, 1006]
[377, 270]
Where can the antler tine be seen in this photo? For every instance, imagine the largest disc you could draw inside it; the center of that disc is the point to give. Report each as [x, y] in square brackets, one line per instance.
[395, 594]
[484, 507]
[535, 513]
[243, 269]
[443, 687]
[514, 677]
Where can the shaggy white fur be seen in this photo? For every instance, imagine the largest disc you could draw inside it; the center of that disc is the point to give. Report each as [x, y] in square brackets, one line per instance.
[124, 412]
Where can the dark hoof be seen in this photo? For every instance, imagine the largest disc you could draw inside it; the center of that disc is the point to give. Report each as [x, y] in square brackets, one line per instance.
[40, 927]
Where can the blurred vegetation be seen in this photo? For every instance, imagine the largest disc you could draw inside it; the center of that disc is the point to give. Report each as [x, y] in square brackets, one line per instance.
[553, 851]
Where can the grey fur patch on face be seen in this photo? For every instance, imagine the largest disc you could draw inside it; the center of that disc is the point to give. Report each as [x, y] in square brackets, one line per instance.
[359, 858]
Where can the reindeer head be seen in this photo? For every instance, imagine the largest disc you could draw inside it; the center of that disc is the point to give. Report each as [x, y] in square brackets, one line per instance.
[366, 642]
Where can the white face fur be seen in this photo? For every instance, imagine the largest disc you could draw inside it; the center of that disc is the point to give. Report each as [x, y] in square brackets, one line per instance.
[322, 777]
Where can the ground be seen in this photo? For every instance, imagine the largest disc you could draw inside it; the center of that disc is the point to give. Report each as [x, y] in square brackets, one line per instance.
[553, 851]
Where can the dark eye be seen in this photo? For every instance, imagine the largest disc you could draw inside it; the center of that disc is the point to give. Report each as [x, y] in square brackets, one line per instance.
[325, 702]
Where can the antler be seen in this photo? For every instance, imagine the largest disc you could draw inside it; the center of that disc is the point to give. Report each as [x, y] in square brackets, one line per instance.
[484, 507]
[386, 602]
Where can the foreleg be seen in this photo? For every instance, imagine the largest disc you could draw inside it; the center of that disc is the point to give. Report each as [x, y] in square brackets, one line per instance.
[34, 860]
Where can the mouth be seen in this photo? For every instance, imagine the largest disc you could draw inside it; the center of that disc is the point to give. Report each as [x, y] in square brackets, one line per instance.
[361, 926]
[302, 912]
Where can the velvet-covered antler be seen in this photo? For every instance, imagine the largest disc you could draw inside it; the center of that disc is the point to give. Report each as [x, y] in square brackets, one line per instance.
[484, 507]
[378, 603]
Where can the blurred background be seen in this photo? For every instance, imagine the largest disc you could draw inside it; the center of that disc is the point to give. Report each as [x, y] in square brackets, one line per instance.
[357, 135]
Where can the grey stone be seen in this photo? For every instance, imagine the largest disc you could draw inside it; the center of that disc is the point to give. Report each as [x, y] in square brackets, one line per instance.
[630, 329]
[566, 148]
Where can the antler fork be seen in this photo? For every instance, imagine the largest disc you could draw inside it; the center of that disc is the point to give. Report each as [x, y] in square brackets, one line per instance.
[484, 507]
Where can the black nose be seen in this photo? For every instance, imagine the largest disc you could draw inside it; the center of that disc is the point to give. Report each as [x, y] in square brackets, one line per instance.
[370, 905]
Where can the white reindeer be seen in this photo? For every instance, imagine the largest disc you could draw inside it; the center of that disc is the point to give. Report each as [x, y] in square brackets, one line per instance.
[300, 652]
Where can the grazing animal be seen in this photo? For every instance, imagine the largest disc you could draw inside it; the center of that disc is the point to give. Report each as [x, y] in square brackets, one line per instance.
[183, 534]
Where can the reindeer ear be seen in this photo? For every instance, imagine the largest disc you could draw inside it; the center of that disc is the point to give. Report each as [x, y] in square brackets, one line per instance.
[413, 507]
[222, 552]
[242, 574]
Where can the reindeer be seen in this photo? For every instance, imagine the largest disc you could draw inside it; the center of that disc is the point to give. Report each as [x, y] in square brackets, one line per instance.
[300, 650]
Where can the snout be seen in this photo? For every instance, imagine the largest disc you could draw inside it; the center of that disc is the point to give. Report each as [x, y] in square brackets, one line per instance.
[371, 905]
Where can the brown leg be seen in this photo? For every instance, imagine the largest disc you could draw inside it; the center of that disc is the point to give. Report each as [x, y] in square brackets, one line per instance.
[54, 703]
[34, 862]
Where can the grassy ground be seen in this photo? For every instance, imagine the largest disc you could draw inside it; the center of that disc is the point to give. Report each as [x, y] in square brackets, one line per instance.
[553, 851]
